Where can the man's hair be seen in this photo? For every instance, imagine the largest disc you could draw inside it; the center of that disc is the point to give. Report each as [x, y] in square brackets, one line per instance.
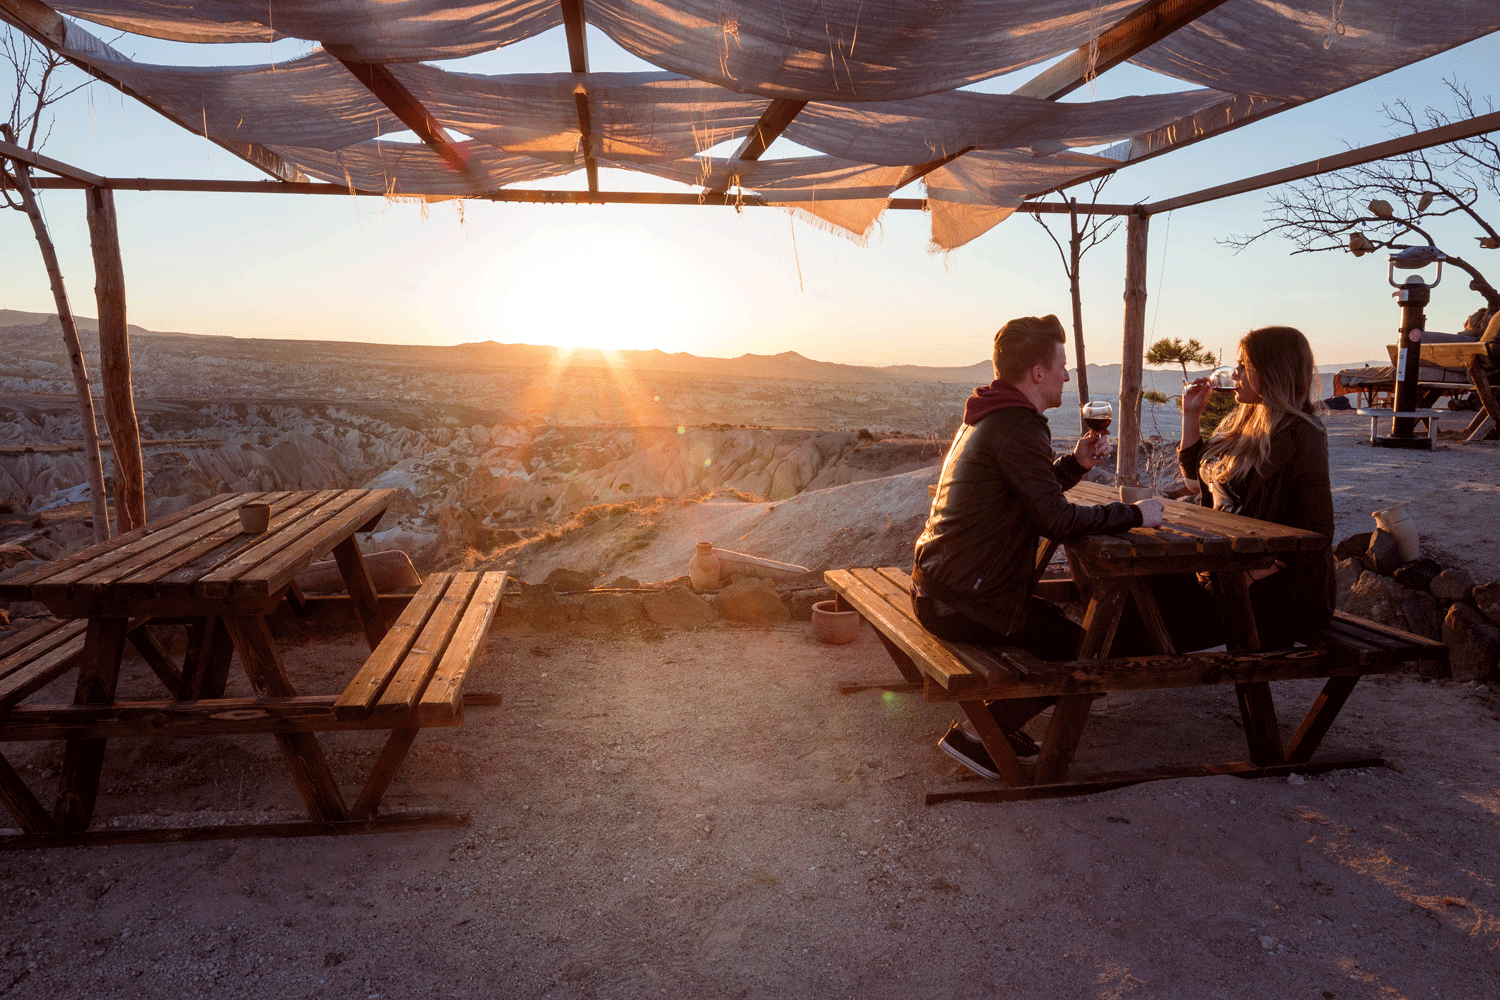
[1026, 341]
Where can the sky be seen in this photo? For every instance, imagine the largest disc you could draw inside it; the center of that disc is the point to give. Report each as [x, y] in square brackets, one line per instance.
[711, 281]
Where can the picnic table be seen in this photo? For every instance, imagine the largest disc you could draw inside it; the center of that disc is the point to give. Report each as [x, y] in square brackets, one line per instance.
[201, 569]
[1107, 571]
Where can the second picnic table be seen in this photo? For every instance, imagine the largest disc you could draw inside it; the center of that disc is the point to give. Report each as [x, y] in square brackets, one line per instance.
[201, 569]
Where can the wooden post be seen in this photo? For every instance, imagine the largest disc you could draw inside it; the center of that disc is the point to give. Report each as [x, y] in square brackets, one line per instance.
[1075, 260]
[1134, 349]
[114, 360]
[95, 467]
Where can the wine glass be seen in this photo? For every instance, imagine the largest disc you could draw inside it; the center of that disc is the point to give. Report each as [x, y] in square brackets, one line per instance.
[1097, 416]
[1222, 379]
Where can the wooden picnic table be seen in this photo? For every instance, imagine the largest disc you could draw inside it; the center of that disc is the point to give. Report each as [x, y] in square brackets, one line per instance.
[1107, 571]
[200, 568]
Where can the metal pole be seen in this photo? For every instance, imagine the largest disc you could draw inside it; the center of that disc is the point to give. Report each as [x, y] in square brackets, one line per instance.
[1413, 296]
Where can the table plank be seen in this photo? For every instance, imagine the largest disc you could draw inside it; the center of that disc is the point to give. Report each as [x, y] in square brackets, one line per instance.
[180, 577]
[18, 588]
[139, 576]
[265, 570]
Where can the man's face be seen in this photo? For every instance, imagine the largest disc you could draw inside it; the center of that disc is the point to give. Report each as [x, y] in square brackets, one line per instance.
[1053, 379]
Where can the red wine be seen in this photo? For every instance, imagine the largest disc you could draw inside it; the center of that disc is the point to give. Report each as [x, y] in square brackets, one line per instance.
[1100, 424]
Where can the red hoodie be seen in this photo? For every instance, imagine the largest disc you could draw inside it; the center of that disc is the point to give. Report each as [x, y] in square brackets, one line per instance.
[998, 395]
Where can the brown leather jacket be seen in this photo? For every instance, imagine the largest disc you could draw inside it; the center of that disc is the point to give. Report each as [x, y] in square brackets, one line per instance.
[999, 493]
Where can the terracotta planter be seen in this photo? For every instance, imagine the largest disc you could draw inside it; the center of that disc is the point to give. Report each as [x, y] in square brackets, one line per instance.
[834, 627]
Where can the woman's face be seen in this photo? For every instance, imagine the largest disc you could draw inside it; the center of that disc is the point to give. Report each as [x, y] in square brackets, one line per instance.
[1246, 381]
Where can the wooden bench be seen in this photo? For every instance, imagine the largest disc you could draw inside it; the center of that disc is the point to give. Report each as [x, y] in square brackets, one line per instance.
[1347, 649]
[413, 679]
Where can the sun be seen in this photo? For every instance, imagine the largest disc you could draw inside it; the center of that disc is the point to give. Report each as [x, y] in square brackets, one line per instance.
[586, 286]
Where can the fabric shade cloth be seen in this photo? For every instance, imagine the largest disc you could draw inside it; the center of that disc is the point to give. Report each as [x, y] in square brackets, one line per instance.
[881, 80]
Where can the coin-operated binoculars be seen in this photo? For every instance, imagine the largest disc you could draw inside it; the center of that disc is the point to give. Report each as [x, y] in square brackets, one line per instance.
[1413, 294]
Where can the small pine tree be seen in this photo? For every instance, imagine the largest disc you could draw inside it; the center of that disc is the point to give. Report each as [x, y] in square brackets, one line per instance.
[1175, 352]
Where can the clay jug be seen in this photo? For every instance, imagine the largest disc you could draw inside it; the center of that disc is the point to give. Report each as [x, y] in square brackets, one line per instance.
[703, 568]
[1400, 525]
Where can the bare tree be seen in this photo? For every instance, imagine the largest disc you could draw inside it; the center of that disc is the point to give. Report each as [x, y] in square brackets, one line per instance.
[1082, 237]
[1385, 205]
[27, 125]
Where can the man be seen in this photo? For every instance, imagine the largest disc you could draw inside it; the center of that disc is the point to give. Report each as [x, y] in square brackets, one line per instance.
[1000, 491]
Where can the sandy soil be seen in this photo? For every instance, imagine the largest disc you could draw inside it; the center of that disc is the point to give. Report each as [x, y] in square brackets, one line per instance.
[703, 814]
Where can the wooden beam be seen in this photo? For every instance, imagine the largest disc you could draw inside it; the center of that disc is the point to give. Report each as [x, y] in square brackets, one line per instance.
[1136, 32]
[578, 61]
[114, 360]
[47, 27]
[773, 121]
[1128, 441]
[40, 162]
[391, 92]
[1340, 161]
[525, 196]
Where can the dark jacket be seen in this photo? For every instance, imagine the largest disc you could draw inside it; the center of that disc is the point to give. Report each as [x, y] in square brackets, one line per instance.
[1000, 492]
[1293, 489]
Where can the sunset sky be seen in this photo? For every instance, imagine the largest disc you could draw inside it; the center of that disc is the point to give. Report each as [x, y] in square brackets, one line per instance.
[706, 280]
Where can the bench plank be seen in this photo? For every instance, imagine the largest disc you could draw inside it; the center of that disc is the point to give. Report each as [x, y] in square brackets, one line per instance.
[371, 680]
[442, 699]
[399, 699]
[37, 657]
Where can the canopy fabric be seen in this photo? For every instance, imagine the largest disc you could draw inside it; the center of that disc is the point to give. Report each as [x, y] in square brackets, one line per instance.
[978, 191]
[1298, 50]
[880, 80]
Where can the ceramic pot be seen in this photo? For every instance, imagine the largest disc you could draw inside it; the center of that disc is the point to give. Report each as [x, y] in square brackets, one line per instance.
[832, 626]
[703, 568]
[255, 518]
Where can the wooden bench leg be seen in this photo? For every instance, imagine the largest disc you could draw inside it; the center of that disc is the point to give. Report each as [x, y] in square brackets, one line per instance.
[30, 815]
[304, 757]
[904, 663]
[1319, 719]
[1063, 733]
[98, 672]
[978, 714]
[386, 765]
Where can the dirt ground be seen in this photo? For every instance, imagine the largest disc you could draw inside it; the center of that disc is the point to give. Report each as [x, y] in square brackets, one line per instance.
[703, 814]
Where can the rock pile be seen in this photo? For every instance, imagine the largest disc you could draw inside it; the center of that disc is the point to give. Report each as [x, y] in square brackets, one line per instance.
[1422, 597]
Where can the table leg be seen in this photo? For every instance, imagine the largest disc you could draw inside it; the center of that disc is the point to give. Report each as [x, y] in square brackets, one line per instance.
[304, 757]
[1319, 719]
[361, 590]
[205, 668]
[994, 741]
[155, 656]
[1156, 627]
[1102, 617]
[30, 815]
[98, 672]
[1257, 708]
[1063, 733]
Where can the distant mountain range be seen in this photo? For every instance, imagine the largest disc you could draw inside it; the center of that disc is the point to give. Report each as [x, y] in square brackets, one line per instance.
[1103, 379]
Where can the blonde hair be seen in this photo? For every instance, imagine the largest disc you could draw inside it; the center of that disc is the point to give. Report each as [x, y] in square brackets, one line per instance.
[1283, 362]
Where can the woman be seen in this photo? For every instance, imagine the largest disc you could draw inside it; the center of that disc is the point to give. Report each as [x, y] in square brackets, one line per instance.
[1269, 460]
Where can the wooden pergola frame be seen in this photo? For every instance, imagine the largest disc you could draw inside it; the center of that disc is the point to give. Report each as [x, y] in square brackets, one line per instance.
[1136, 31]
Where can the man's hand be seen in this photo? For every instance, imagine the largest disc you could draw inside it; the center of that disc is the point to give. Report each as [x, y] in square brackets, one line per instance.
[1091, 449]
[1151, 509]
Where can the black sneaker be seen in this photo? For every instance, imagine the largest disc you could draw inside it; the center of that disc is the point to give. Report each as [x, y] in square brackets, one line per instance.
[969, 753]
[1025, 747]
